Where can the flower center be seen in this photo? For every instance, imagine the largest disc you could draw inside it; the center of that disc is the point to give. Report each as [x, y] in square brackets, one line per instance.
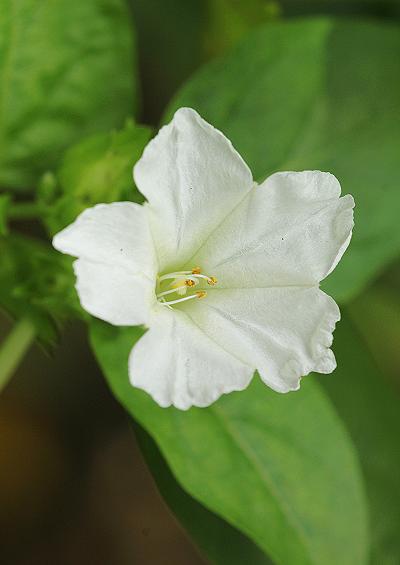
[180, 283]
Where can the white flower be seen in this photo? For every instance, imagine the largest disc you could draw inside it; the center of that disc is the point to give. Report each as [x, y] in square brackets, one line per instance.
[224, 272]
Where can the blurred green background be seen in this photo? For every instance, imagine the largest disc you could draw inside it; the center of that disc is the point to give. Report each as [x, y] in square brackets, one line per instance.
[295, 84]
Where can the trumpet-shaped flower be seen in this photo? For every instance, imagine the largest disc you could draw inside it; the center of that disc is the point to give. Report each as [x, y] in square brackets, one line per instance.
[222, 271]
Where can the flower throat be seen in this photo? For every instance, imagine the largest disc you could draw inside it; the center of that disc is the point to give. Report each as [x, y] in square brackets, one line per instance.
[182, 283]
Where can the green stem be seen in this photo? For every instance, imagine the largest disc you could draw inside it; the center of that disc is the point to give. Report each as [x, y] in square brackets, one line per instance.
[14, 347]
[25, 210]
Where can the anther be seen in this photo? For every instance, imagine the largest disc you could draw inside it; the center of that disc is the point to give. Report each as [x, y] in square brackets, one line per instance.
[189, 282]
[212, 281]
[201, 294]
[196, 271]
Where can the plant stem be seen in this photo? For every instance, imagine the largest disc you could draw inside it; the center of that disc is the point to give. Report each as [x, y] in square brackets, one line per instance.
[14, 347]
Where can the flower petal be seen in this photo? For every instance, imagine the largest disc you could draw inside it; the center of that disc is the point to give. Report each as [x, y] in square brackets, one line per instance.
[113, 294]
[192, 178]
[177, 364]
[284, 332]
[114, 234]
[291, 230]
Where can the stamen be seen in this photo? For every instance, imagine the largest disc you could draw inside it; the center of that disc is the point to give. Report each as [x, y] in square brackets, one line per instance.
[174, 275]
[199, 294]
[181, 285]
[210, 280]
[196, 274]
[182, 280]
[173, 291]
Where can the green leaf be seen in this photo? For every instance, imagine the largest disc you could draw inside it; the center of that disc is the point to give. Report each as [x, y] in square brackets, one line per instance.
[318, 94]
[97, 169]
[219, 541]
[370, 409]
[67, 69]
[278, 467]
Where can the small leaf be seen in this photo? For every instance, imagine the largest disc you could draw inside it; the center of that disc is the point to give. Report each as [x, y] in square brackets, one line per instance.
[67, 69]
[278, 467]
[97, 169]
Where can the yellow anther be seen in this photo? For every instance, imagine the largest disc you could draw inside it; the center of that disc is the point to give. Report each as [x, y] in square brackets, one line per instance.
[201, 294]
[196, 271]
[189, 282]
[212, 281]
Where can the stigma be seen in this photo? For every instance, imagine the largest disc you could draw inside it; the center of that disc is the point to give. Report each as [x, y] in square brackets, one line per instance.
[181, 283]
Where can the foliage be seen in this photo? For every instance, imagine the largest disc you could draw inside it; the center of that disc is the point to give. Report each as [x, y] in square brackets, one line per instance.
[36, 280]
[37, 283]
[66, 70]
[98, 169]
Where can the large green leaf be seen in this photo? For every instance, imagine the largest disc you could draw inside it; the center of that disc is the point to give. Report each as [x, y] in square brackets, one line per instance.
[370, 409]
[278, 467]
[318, 94]
[219, 541]
[66, 69]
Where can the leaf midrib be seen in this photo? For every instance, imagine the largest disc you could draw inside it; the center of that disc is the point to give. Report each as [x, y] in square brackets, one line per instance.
[264, 477]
